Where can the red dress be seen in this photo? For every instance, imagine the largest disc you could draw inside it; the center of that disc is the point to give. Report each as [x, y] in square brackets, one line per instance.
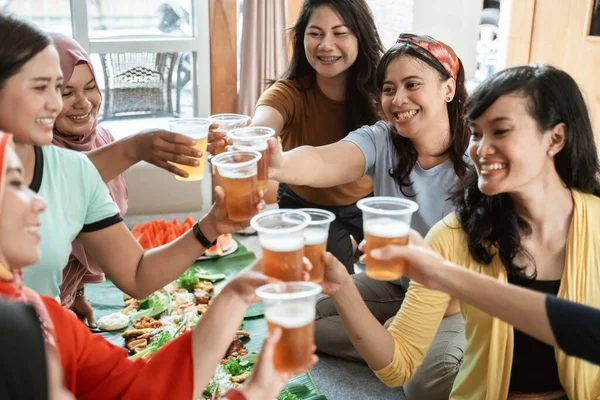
[95, 369]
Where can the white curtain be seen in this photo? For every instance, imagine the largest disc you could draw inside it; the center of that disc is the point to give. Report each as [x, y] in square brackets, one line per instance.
[263, 49]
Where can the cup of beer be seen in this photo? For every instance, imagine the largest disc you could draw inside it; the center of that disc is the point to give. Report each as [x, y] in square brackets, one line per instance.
[228, 122]
[196, 128]
[315, 240]
[255, 138]
[237, 170]
[386, 220]
[281, 238]
[291, 307]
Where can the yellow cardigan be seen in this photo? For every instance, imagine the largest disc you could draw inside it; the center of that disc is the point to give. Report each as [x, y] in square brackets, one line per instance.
[486, 368]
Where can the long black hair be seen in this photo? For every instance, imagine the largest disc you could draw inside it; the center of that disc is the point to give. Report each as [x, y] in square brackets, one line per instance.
[361, 89]
[21, 41]
[491, 222]
[459, 132]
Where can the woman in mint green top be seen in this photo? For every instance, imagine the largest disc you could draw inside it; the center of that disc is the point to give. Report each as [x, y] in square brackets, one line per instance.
[78, 201]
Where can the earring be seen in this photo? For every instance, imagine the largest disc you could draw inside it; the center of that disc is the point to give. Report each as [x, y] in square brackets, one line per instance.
[550, 153]
[448, 99]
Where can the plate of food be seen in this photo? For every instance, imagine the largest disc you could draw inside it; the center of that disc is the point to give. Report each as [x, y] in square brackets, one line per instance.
[225, 246]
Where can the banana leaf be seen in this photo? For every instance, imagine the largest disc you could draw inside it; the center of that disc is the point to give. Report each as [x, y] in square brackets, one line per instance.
[106, 298]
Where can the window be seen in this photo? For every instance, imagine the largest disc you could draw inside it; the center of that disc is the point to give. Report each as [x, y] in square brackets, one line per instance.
[117, 18]
[168, 40]
[51, 15]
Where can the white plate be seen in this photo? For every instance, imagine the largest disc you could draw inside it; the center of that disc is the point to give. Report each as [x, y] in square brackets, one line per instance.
[230, 250]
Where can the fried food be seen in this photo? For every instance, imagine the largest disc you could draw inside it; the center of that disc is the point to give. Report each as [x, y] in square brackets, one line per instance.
[136, 332]
[240, 378]
[147, 322]
[202, 297]
[204, 285]
[202, 308]
[235, 346]
[137, 343]
[243, 333]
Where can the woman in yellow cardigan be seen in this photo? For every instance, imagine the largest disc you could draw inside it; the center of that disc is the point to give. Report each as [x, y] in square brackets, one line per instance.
[528, 214]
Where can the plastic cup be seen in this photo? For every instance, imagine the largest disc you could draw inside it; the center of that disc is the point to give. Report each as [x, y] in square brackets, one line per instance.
[196, 128]
[228, 122]
[281, 238]
[291, 307]
[237, 170]
[386, 220]
[315, 240]
[255, 138]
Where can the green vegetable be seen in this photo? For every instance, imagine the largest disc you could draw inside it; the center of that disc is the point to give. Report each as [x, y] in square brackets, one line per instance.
[235, 368]
[192, 276]
[153, 347]
[298, 389]
[151, 306]
[211, 277]
[287, 395]
[249, 359]
[188, 280]
[210, 388]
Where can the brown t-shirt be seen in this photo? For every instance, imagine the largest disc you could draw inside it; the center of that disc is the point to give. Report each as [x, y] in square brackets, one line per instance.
[313, 119]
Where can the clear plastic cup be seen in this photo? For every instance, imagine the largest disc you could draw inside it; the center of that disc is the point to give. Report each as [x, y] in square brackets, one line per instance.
[196, 128]
[281, 238]
[255, 138]
[237, 170]
[291, 307]
[315, 240]
[386, 220]
[228, 122]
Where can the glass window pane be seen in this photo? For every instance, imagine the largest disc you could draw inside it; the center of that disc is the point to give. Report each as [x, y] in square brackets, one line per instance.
[51, 15]
[145, 84]
[134, 18]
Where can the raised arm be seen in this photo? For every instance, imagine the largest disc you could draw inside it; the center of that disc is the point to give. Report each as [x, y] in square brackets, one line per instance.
[138, 272]
[155, 146]
[522, 308]
[394, 354]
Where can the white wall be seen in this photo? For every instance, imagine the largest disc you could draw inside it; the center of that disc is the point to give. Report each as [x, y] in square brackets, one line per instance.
[454, 22]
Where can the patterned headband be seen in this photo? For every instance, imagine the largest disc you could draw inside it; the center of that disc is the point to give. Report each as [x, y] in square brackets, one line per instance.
[439, 50]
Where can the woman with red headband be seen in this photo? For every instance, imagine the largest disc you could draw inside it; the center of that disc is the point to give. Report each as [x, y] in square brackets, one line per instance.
[417, 153]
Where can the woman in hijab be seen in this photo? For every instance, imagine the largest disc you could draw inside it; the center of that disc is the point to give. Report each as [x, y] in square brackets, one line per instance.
[94, 368]
[77, 128]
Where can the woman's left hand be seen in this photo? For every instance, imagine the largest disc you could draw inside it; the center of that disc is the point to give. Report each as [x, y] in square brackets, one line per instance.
[84, 311]
[163, 148]
[217, 218]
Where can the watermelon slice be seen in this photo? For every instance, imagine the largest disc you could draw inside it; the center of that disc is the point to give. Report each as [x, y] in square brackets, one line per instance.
[225, 241]
[214, 251]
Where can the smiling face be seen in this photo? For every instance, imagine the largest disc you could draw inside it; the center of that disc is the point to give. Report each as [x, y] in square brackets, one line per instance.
[508, 149]
[81, 102]
[21, 208]
[413, 96]
[30, 100]
[330, 46]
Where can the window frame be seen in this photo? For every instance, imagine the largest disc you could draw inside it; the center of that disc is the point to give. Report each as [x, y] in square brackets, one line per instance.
[198, 43]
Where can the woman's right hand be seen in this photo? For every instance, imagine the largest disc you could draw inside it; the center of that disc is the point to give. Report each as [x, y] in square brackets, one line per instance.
[423, 264]
[275, 156]
[216, 139]
[336, 275]
[265, 382]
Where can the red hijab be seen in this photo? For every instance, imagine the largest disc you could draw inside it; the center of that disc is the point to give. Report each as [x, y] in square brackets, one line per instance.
[72, 54]
[11, 281]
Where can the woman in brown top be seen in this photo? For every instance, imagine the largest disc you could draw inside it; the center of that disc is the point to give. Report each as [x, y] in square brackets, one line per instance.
[328, 91]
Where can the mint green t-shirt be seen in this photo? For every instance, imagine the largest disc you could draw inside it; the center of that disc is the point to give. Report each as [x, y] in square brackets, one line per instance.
[77, 201]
